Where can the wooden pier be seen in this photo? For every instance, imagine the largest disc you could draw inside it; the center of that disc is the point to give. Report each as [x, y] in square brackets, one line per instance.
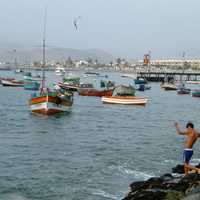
[166, 76]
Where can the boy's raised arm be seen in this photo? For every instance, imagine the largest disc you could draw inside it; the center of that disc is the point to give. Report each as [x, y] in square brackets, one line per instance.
[178, 131]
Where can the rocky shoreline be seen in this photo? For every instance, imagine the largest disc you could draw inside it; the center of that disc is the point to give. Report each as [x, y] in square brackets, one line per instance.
[175, 186]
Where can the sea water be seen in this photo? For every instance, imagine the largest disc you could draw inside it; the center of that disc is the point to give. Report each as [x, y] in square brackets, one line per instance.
[93, 152]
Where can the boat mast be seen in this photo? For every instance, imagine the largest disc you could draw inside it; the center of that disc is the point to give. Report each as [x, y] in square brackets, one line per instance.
[44, 50]
[149, 63]
[183, 65]
[15, 60]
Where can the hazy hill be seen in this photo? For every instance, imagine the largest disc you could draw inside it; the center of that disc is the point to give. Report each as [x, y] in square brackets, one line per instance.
[25, 55]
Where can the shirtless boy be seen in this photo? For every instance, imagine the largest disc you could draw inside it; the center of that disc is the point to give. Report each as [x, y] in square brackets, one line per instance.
[191, 137]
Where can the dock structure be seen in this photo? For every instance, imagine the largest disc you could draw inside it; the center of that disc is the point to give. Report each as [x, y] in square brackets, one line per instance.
[166, 76]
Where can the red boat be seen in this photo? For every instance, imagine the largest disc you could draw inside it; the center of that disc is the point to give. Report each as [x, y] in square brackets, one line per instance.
[96, 93]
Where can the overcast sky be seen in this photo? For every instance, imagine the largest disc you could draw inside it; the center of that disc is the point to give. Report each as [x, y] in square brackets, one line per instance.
[127, 28]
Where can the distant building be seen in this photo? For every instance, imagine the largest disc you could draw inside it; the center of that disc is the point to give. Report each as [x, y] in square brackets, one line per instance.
[174, 62]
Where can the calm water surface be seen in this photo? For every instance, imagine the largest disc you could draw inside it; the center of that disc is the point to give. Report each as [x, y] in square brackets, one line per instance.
[95, 151]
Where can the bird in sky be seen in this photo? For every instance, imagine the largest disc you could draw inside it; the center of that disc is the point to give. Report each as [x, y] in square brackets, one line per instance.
[75, 22]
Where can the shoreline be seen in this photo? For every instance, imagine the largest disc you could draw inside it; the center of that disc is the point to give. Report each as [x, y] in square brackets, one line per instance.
[170, 186]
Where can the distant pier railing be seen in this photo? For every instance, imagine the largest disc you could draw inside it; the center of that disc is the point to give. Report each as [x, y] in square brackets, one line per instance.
[162, 76]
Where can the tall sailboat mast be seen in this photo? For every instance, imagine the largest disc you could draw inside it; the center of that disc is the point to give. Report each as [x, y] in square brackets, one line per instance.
[44, 50]
[183, 65]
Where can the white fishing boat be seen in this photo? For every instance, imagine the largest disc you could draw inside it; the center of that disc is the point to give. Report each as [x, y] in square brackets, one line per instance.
[124, 95]
[169, 86]
[60, 70]
[125, 100]
[12, 83]
[131, 76]
[17, 71]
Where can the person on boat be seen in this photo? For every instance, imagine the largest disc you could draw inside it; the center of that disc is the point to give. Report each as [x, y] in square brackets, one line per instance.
[191, 137]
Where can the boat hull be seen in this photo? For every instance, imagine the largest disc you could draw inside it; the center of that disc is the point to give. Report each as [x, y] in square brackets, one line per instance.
[125, 100]
[168, 86]
[12, 83]
[138, 81]
[94, 92]
[48, 105]
[184, 91]
[196, 93]
[70, 87]
[193, 82]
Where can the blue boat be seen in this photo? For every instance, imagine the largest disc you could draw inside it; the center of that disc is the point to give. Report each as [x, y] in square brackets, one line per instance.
[183, 90]
[140, 81]
[143, 87]
[32, 85]
[28, 77]
[196, 93]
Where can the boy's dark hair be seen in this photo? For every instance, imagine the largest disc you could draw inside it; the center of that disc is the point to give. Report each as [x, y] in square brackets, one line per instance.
[190, 124]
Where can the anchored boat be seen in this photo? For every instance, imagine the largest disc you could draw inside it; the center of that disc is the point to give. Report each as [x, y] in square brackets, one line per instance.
[169, 86]
[87, 89]
[125, 95]
[196, 93]
[12, 83]
[48, 102]
[183, 90]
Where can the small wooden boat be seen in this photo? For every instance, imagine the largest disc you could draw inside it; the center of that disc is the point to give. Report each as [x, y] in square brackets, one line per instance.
[69, 87]
[17, 71]
[71, 80]
[131, 76]
[183, 90]
[168, 86]
[126, 100]
[47, 102]
[60, 70]
[12, 83]
[87, 89]
[193, 82]
[70, 83]
[92, 73]
[6, 79]
[124, 95]
[196, 93]
[50, 103]
[95, 92]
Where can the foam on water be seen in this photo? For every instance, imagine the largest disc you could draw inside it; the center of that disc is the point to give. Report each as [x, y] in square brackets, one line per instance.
[13, 196]
[97, 146]
[195, 161]
[169, 161]
[105, 194]
[135, 173]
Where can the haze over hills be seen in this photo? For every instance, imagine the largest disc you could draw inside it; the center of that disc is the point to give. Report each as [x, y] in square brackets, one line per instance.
[27, 55]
